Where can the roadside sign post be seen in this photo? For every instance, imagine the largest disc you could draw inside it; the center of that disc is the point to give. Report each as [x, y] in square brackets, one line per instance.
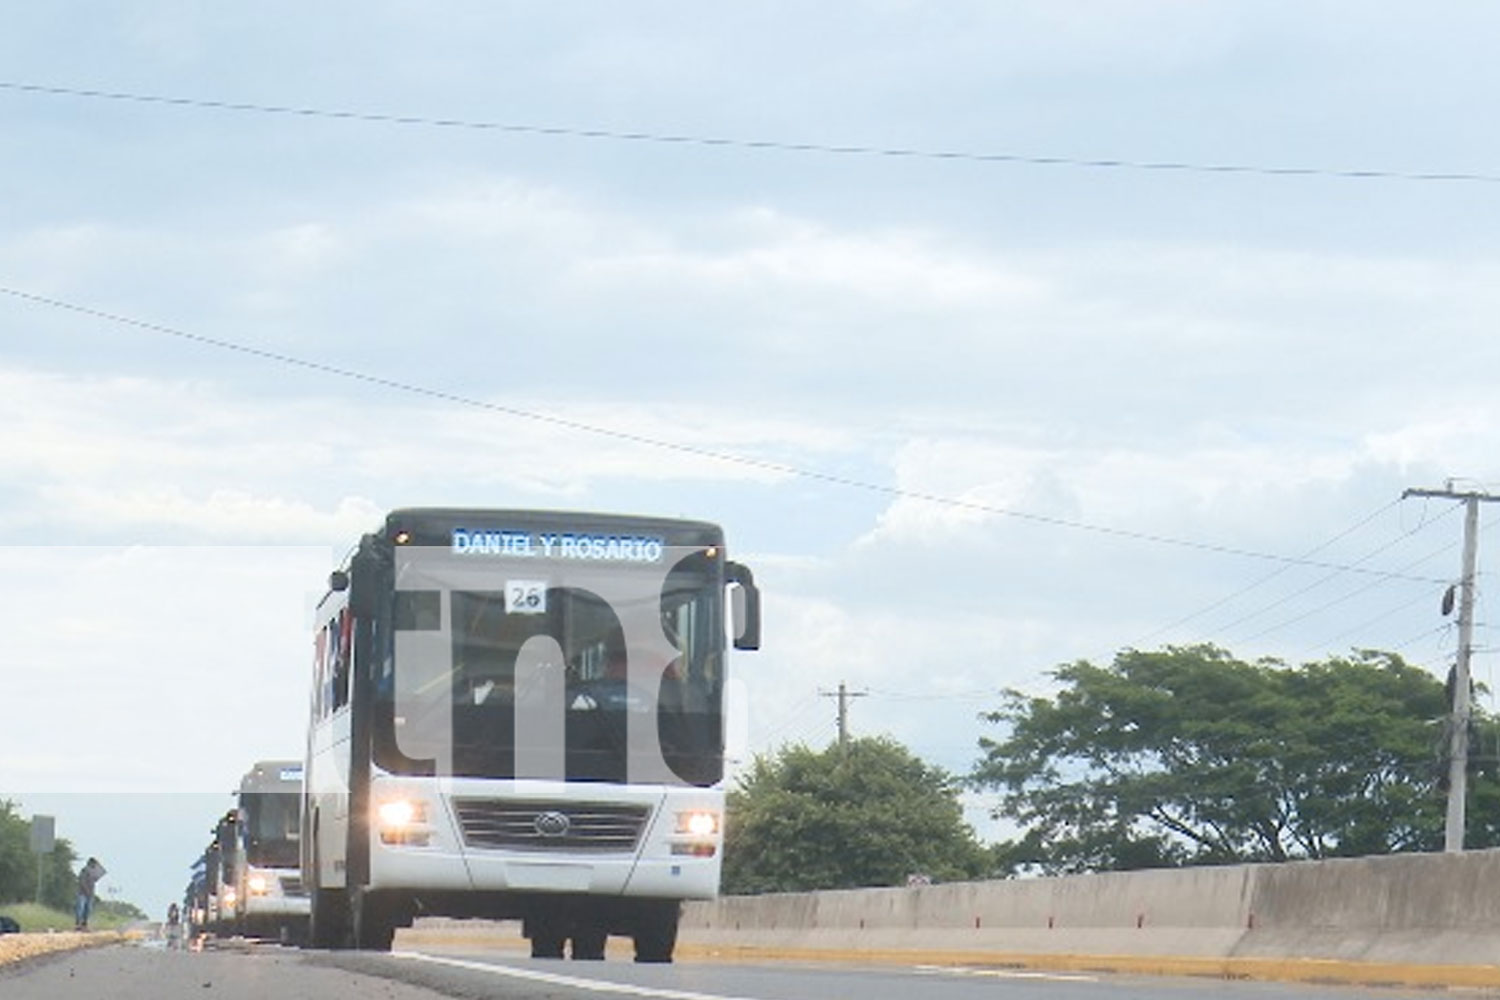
[43, 839]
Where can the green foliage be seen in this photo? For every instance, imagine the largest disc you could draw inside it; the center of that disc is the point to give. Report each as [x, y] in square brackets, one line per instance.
[34, 918]
[17, 864]
[864, 815]
[60, 876]
[1188, 756]
[116, 911]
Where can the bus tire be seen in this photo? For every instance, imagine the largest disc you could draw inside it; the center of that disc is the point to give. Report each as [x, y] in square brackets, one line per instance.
[374, 922]
[328, 925]
[548, 936]
[588, 942]
[328, 921]
[298, 933]
[656, 933]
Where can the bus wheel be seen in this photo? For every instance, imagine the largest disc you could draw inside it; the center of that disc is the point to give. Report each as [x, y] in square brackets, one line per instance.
[588, 942]
[656, 933]
[548, 937]
[328, 923]
[374, 922]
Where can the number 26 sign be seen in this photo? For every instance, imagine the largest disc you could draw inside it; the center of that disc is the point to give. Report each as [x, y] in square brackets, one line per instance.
[526, 597]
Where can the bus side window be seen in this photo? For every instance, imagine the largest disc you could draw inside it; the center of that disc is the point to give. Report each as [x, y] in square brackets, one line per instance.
[341, 659]
[320, 674]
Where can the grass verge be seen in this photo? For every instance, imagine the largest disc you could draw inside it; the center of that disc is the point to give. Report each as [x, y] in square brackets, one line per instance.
[35, 918]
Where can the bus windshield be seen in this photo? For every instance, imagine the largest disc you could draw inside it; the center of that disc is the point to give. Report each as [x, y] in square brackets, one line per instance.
[271, 822]
[490, 660]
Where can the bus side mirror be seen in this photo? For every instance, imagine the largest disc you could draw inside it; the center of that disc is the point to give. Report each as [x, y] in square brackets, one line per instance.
[744, 604]
[338, 581]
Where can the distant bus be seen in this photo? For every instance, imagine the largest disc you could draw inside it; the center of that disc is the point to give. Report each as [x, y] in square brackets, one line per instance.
[197, 897]
[520, 715]
[269, 900]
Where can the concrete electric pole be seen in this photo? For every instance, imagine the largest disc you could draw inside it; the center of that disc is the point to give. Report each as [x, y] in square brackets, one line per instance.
[1458, 747]
[843, 694]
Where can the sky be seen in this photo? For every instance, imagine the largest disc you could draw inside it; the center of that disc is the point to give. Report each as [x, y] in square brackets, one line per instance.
[996, 336]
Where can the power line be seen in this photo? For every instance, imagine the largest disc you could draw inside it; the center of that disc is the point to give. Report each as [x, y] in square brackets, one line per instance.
[786, 724]
[730, 458]
[1448, 511]
[1337, 600]
[1278, 602]
[974, 695]
[1406, 643]
[769, 145]
[1263, 579]
[1314, 585]
[1383, 616]
[817, 731]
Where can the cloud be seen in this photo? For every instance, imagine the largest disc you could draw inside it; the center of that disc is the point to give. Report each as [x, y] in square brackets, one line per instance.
[201, 461]
[962, 485]
[220, 513]
[153, 669]
[1458, 439]
[501, 284]
[757, 249]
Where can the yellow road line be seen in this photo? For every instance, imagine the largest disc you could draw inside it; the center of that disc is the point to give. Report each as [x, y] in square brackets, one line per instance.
[1307, 970]
[16, 947]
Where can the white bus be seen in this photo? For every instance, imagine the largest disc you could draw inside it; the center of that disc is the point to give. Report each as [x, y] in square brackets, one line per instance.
[268, 898]
[520, 715]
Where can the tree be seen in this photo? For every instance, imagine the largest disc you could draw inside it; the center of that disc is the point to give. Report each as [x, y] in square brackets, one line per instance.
[119, 911]
[60, 876]
[18, 866]
[1188, 756]
[866, 814]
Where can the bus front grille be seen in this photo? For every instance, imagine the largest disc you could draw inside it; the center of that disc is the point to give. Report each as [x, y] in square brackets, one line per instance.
[550, 826]
[291, 885]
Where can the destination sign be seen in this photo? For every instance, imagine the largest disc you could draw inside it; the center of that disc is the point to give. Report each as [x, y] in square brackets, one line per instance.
[545, 545]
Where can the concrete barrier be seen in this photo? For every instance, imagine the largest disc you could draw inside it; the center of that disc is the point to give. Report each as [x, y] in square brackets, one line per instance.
[1417, 918]
[1433, 908]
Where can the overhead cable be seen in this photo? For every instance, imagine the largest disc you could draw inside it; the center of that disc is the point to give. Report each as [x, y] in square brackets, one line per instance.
[1320, 581]
[730, 458]
[728, 142]
[1365, 588]
[1260, 581]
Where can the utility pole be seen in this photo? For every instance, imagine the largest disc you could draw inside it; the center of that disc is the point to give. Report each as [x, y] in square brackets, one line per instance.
[1458, 747]
[843, 694]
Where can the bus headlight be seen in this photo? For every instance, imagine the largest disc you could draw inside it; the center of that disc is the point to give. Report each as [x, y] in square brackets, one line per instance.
[400, 813]
[700, 823]
[258, 884]
[403, 822]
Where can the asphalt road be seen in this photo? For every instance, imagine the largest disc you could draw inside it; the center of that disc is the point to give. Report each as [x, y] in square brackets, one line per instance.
[127, 972]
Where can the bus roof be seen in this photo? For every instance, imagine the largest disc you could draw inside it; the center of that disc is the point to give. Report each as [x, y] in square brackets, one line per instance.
[273, 776]
[433, 525]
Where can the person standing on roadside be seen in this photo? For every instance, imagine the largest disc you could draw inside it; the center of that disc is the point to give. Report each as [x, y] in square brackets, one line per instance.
[88, 878]
[174, 927]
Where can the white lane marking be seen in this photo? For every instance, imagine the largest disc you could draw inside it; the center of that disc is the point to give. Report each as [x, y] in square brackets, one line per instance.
[964, 970]
[554, 979]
